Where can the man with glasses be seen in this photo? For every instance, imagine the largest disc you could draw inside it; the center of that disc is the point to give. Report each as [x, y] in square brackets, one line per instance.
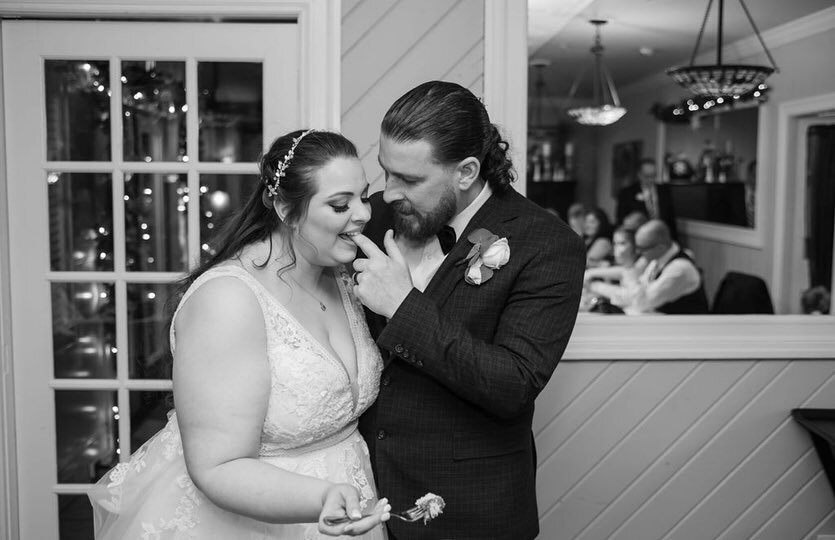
[671, 283]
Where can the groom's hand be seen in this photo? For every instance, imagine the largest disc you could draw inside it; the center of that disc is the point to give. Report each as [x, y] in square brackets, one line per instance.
[382, 281]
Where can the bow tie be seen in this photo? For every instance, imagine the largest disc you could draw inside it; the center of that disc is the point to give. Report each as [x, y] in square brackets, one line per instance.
[446, 237]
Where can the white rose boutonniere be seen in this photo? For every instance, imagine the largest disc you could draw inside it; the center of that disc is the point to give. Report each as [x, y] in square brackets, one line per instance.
[489, 253]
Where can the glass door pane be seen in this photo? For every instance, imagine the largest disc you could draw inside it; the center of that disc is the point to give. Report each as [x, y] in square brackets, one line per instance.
[152, 134]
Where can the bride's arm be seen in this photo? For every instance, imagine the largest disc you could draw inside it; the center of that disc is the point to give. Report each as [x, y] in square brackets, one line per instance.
[221, 392]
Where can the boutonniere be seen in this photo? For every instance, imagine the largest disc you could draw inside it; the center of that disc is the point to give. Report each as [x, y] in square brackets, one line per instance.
[639, 196]
[489, 253]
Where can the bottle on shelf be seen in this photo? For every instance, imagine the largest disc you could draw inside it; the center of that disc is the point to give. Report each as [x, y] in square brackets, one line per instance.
[725, 163]
[707, 163]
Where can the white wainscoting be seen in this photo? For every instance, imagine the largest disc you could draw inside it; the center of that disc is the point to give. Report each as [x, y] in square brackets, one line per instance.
[390, 47]
[682, 450]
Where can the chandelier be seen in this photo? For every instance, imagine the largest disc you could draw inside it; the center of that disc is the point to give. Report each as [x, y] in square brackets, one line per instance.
[605, 108]
[722, 80]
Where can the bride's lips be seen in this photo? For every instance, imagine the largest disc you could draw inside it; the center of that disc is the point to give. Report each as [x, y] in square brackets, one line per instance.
[348, 236]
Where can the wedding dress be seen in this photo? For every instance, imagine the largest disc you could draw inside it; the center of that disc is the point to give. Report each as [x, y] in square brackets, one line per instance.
[310, 428]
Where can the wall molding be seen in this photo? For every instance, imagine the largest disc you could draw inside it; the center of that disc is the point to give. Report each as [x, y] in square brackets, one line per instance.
[802, 28]
[719, 337]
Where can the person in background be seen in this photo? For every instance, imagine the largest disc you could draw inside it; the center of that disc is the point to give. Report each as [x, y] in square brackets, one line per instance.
[816, 300]
[597, 233]
[671, 282]
[633, 220]
[273, 365]
[617, 284]
[577, 218]
[472, 299]
[643, 196]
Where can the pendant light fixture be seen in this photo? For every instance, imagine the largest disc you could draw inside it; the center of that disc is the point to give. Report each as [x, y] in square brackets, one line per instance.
[722, 80]
[605, 108]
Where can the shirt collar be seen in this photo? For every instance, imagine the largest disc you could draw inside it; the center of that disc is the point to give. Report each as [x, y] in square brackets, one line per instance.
[669, 254]
[460, 221]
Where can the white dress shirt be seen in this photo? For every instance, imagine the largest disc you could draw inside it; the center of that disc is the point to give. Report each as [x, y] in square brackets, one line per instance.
[424, 258]
[665, 280]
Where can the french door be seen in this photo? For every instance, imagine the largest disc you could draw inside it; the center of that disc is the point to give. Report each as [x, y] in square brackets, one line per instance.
[127, 144]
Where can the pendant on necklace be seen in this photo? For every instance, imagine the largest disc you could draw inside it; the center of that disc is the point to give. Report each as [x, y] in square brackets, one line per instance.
[321, 305]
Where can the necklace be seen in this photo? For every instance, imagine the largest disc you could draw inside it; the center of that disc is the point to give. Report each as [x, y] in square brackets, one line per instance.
[322, 305]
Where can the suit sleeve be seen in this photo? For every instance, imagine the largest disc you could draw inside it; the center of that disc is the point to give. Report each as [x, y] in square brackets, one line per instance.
[505, 374]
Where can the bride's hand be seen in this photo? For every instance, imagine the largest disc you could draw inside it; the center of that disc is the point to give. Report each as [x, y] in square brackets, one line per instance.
[343, 500]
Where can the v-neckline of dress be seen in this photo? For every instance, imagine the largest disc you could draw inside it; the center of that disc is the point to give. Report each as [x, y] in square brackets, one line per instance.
[333, 357]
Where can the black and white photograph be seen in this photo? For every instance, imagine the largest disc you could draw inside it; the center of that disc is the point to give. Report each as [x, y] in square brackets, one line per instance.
[417, 270]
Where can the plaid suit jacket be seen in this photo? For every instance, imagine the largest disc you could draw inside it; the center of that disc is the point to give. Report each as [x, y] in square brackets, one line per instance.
[463, 366]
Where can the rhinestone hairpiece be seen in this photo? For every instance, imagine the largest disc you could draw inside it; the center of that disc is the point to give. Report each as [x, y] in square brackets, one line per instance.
[282, 165]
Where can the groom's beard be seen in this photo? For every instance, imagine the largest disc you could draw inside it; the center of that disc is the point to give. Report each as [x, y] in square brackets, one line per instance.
[416, 226]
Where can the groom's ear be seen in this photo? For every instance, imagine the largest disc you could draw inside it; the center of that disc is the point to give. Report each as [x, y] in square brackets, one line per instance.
[468, 170]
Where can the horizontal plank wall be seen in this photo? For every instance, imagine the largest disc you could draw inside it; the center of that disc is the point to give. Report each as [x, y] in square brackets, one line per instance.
[390, 46]
[682, 450]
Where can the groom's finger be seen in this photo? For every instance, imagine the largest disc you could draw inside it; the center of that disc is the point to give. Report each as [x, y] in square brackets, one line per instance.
[392, 249]
[367, 246]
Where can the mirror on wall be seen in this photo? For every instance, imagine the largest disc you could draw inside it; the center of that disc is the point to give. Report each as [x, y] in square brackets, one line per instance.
[710, 164]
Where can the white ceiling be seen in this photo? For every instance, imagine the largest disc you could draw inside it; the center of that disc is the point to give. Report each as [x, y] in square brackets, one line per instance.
[559, 32]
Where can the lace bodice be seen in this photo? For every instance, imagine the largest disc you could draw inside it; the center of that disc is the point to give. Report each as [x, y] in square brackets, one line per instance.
[312, 401]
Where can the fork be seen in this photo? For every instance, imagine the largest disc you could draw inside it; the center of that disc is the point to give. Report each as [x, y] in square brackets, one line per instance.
[410, 516]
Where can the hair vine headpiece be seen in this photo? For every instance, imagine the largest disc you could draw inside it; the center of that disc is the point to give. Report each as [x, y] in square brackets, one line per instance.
[282, 165]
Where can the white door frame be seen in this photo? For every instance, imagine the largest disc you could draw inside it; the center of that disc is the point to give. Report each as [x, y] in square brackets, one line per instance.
[797, 277]
[319, 23]
[8, 442]
[789, 115]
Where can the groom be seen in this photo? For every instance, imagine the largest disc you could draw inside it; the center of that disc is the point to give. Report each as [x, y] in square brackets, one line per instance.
[469, 336]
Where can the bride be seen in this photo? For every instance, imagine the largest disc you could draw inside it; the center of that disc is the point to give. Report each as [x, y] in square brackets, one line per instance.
[273, 364]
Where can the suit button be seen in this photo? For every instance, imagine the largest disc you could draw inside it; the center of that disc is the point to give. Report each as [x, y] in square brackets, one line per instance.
[418, 363]
[406, 353]
[381, 434]
[398, 348]
[385, 380]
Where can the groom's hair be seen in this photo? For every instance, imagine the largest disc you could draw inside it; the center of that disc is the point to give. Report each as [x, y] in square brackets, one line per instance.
[455, 122]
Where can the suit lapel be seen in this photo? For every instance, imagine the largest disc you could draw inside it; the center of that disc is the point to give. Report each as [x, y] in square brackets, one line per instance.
[490, 216]
[499, 209]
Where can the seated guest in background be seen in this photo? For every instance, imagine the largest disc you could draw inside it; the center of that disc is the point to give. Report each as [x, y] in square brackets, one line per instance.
[643, 196]
[577, 218]
[633, 220]
[671, 282]
[618, 283]
[816, 301]
[598, 236]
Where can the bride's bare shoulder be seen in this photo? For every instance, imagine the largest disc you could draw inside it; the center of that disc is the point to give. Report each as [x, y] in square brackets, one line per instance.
[224, 302]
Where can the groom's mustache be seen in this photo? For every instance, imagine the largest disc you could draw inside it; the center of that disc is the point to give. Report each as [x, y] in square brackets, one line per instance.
[402, 207]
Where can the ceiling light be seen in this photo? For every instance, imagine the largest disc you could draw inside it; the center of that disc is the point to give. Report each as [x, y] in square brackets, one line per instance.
[730, 80]
[605, 108]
